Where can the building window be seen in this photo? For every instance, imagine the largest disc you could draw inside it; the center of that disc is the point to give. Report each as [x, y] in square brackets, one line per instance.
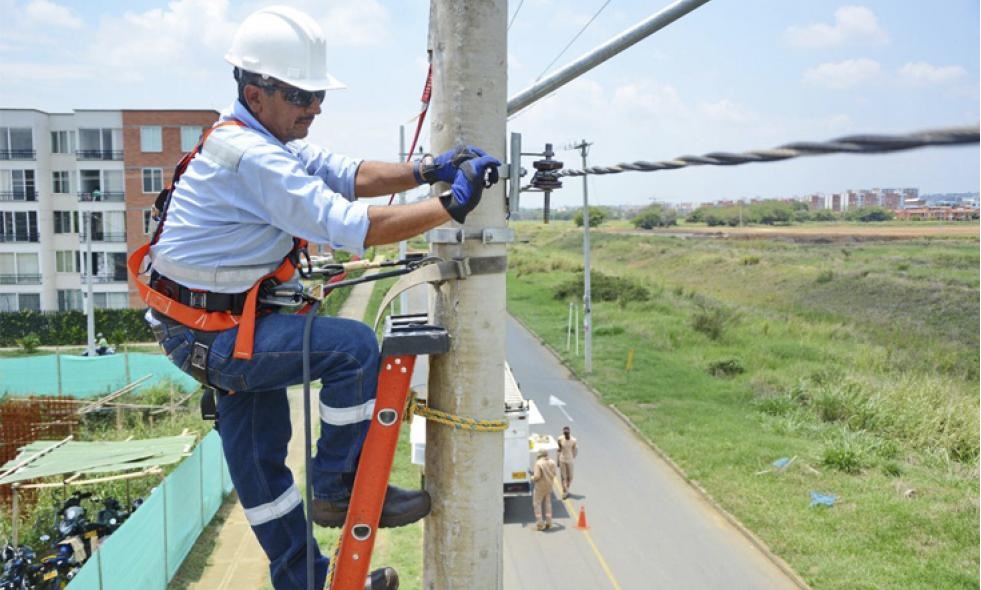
[110, 300]
[70, 300]
[148, 223]
[152, 180]
[151, 139]
[17, 185]
[62, 142]
[18, 226]
[189, 137]
[16, 143]
[19, 268]
[65, 260]
[30, 301]
[100, 144]
[8, 302]
[65, 222]
[61, 182]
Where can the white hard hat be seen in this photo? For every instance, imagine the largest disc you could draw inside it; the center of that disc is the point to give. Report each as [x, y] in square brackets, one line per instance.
[286, 44]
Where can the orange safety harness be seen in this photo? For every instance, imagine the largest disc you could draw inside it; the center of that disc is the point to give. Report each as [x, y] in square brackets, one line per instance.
[202, 319]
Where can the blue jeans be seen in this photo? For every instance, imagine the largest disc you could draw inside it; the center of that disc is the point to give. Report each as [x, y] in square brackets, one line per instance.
[255, 423]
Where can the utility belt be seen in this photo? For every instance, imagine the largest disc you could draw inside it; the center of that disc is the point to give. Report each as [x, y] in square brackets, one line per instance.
[199, 299]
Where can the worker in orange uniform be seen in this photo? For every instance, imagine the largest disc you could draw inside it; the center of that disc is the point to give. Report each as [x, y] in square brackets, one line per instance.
[568, 450]
[543, 477]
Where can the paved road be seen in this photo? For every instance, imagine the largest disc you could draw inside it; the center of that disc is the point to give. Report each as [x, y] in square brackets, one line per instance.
[648, 528]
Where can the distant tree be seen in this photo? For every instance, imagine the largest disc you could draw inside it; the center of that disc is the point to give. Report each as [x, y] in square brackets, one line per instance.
[869, 214]
[655, 216]
[697, 216]
[596, 217]
[823, 215]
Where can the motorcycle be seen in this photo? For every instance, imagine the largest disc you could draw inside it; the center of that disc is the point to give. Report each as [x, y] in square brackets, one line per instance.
[19, 568]
[58, 569]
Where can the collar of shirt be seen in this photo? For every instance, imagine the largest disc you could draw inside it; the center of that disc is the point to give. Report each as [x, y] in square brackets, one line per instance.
[238, 112]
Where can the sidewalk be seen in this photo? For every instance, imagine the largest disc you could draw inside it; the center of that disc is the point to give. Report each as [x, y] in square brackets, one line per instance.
[238, 561]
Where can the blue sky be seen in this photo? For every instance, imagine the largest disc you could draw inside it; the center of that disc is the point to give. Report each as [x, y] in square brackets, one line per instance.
[732, 75]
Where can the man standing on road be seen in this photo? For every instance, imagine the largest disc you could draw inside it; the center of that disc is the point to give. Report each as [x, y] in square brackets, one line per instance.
[543, 477]
[232, 228]
[568, 449]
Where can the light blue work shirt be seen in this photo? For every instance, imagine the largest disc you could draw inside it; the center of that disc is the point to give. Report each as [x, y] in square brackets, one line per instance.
[237, 207]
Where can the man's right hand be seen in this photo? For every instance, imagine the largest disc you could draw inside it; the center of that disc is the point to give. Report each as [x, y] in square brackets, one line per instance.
[468, 185]
[443, 168]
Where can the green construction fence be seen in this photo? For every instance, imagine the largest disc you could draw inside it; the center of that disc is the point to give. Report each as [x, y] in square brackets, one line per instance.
[84, 377]
[146, 551]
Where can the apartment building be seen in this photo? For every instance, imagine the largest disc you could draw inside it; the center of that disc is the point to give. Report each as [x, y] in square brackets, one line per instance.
[75, 196]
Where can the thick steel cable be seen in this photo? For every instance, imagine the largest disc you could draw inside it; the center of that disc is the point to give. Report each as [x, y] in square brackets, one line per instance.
[851, 144]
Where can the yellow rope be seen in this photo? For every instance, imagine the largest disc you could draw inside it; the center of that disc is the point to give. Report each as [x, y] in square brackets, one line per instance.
[460, 422]
[332, 566]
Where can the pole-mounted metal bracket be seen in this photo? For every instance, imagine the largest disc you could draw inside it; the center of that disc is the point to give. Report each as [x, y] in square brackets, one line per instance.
[489, 235]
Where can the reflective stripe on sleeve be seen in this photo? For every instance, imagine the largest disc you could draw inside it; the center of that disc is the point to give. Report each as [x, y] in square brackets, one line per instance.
[278, 508]
[344, 416]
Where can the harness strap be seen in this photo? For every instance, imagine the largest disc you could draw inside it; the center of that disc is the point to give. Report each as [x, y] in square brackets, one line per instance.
[202, 319]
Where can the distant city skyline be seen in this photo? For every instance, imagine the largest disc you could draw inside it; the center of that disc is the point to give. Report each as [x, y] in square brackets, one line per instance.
[730, 76]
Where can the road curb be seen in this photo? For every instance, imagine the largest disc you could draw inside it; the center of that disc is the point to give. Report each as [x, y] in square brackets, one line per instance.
[757, 542]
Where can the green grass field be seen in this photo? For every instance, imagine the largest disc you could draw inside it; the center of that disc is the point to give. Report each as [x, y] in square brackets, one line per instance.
[857, 358]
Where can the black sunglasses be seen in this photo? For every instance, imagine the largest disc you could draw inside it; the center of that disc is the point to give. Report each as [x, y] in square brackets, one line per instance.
[297, 96]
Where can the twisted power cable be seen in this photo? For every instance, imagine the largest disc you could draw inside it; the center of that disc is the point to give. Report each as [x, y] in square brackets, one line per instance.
[852, 144]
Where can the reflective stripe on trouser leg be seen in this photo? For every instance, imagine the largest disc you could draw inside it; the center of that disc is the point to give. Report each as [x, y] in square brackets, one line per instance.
[347, 401]
[255, 432]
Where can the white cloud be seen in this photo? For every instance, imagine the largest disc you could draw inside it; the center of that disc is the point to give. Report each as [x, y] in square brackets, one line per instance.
[724, 111]
[852, 24]
[44, 12]
[356, 24]
[923, 73]
[843, 74]
[35, 72]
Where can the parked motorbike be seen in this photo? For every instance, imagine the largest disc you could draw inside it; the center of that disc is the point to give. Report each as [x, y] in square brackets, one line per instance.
[58, 569]
[19, 568]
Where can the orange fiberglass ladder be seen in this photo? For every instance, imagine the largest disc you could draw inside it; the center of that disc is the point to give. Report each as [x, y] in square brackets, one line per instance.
[406, 337]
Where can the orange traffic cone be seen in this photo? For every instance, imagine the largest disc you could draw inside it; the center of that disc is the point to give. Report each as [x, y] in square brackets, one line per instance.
[581, 525]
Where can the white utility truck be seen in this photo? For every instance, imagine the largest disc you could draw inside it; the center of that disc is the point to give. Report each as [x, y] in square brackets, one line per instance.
[521, 446]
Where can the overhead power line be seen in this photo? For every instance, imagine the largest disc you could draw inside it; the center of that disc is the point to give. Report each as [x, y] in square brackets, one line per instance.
[515, 15]
[573, 39]
[852, 144]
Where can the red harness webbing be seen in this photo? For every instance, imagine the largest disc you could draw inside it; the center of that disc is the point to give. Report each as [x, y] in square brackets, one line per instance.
[200, 319]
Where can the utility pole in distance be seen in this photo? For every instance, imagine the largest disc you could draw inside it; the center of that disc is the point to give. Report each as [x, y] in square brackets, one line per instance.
[587, 312]
[463, 536]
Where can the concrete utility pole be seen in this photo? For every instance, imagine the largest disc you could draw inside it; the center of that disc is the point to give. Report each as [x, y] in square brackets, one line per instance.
[463, 534]
[587, 304]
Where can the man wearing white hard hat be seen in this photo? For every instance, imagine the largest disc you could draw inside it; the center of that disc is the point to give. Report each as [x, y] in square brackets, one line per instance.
[237, 215]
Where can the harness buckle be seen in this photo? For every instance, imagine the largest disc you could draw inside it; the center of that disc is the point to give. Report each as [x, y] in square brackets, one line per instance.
[199, 362]
[198, 299]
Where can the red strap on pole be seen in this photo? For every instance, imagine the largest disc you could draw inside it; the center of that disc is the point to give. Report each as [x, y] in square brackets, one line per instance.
[427, 93]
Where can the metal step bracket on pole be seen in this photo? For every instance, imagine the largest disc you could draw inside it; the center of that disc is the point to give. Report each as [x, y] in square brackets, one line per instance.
[452, 235]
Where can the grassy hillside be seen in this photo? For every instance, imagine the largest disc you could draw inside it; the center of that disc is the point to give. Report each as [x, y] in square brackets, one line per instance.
[857, 358]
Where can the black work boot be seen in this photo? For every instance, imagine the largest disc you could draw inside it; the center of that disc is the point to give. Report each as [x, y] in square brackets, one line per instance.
[401, 507]
[385, 578]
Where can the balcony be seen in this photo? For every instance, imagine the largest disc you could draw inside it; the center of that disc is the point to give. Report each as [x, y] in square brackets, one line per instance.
[30, 236]
[21, 195]
[98, 236]
[102, 196]
[104, 278]
[99, 154]
[20, 279]
[18, 155]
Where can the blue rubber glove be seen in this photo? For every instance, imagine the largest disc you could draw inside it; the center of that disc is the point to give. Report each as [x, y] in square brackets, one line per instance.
[443, 167]
[468, 185]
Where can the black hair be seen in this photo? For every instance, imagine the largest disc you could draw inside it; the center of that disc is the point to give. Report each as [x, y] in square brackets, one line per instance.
[244, 78]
